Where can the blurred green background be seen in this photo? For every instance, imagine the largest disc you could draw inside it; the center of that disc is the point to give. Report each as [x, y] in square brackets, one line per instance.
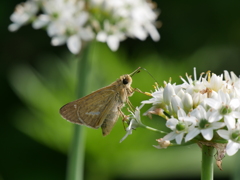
[37, 79]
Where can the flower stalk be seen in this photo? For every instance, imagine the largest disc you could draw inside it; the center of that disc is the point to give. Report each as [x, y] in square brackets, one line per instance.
[75, 167]
[207, 162]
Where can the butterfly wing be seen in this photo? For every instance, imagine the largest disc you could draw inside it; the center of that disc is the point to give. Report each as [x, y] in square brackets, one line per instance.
[114, 111]
[111, 119]
[90, 110]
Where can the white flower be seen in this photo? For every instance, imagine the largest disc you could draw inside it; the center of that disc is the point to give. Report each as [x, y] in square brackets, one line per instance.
[233, 137]
[134, 122]
[111, 35]
[233, 82]
[179, 126]
[203, 125]
[157, 102]
[136, 17]
[224, 107]
[230, 79]
[127, 19]
[41, 21]
[23, 13]
[74, 22]
[201, 106]
[193, 85]
[215, 82]
[157, 98]
[74, 44]
[198, 98]
[65, 22]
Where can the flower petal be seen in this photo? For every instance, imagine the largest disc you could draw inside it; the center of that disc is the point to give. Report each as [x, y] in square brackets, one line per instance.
[170, 136]
[236, 114]
[179, 138]
[230, 121]
[13, 27]
[171, 123]
[41, 21]
[74, 44]
[207, 133]
[113, 42]
[232, 148]
[153, 32]
[234, 103]
[176, 103]
[180, 112]
[192, 134]
[58, 40]
[223, 133]
[214, 116]
[217, 125]
[213, 103]
[101, 36]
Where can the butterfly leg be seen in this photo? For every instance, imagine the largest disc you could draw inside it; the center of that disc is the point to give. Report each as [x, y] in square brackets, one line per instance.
[131, 107]
[123, 116]
[121, 113]
[138, 90]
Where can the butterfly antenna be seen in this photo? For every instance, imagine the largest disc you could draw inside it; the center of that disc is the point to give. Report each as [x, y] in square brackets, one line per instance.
[138, 70]
[150, 75]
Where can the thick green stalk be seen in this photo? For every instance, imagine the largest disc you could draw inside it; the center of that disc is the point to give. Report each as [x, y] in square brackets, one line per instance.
[207, 162]
[75, 167]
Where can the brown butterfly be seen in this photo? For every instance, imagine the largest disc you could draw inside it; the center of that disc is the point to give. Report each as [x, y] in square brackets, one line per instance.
[102, 107]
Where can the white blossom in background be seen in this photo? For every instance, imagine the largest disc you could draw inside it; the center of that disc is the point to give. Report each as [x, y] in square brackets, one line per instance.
[23, 14]
[204, 110]
[75, 22]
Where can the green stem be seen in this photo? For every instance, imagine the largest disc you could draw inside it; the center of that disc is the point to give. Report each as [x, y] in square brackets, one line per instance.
[75, 167]
[153, 129]
[207, 162]
[76, 156]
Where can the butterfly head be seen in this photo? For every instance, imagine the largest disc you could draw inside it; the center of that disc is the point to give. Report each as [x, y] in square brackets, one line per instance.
[126, 81]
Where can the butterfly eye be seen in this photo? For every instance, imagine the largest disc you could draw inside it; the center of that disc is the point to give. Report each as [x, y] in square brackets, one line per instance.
[125, 81]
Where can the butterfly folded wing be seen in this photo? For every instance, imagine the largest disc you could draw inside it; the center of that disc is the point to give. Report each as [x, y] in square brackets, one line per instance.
[110, 120]
[90, 110]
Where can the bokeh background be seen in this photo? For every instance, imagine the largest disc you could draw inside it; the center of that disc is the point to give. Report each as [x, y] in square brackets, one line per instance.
[37, 79]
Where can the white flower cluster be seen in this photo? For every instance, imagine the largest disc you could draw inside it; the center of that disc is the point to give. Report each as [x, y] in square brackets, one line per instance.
[205, 109]
[76, 21]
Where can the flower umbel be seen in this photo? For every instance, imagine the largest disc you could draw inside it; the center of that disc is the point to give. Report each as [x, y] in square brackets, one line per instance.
[203, 111]
[76, 22]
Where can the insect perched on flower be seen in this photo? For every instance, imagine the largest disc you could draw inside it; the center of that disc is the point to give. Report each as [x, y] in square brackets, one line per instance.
[102, 107]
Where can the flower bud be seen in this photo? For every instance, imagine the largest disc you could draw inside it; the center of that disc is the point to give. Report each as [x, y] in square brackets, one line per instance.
[162, 144]
[168, 93]
[176, 103]
[187, 102]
